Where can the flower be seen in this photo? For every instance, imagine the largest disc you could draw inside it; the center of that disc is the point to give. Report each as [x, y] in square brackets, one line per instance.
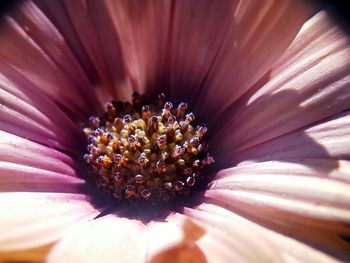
[272, 88]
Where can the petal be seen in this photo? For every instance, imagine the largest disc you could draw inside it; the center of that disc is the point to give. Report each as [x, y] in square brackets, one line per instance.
[21, 151]
[27, 112]
[31, 44]
[285, 210]
[107, 239]
[15, 177]
[164, 235]
[327, 140]
[319, 225]
[34, 219]
[290, 249]
[175, 240]
[323, 168]
[232, 241]
[309, 83]
[259, 34]
[29, 255]
[196, 35]
[290, 180]
[142, 30]
[58, 15]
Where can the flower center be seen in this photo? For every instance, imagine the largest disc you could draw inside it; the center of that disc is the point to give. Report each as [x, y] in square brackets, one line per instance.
[147, 150]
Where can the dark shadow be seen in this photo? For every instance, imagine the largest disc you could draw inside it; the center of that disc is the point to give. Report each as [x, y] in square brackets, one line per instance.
[337, 9]
[145, 212]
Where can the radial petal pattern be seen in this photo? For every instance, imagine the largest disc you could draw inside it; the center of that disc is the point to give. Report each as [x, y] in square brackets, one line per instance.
[279, 115]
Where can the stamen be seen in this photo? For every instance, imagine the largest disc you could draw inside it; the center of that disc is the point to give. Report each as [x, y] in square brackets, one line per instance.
[146, 151]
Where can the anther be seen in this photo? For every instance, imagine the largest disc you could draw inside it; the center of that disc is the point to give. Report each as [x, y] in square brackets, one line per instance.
[146, 113]
[88, 158]
[201, 131]
[118, 158]
[208, 160]
[171, 121]
[106, 161]
[181, 109]
[92, 139]
[161, 141]
[127, 119]
[154, 122]
[92, 149]
[167, 108]
[132, 140]
[142, 161]
[190, 181]
[130, 191]
[197, 164]
[179, 151]
[178, 185]
[194, 142]
[146, 194]
[160, 166]
[99, 160]
[110, 108]
[139, 179]
[94, 121]
[98, 132]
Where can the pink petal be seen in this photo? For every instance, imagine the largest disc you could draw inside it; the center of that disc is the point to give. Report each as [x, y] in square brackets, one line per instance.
[323, 168]
[80, 18]
[58, 15]
[175, 240]
[15, 177]
[197, 33]
[18, 150]
[327, 140]
[107, 239]
[30, 220]
[308, 84]
[31, 44]
[164, 235]
[290, 249]
[284, 211]
[231, 241]
[290, 181]
[142, 30]
[259, 34]
[317, 225]
[27, 112]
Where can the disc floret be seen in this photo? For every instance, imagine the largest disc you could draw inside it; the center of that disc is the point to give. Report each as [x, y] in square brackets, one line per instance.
[146, 151]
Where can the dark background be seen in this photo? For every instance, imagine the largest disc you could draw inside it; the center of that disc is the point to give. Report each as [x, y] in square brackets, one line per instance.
[338, 9]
